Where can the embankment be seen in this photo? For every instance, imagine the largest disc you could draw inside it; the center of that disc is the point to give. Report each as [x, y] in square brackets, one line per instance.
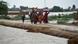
[42, 28]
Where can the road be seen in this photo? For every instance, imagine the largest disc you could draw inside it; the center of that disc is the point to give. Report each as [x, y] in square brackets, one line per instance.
[9, 35]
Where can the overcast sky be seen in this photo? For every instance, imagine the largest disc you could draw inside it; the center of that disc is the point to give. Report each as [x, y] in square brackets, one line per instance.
[43, 3]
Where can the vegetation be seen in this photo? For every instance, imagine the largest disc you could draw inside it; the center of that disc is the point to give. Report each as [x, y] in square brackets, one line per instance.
[60, 9]
[73, 7]
[61, 19]
[52, 17]
[4, 17]
[18, 17]
[56, 9]
[3, 8]
[76, 16]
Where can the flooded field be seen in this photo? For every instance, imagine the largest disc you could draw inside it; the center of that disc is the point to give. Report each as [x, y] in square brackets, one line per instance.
[10, 35]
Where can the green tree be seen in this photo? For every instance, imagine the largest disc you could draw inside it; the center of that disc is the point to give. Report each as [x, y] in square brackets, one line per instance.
[56, 9]
[73, 7]
[69, 8]
[3, 8]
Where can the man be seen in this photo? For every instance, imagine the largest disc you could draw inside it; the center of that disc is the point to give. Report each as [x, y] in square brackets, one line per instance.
[23, 18]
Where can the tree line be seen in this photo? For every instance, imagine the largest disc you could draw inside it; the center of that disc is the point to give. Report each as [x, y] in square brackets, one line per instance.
[60, 9]
[3, 8]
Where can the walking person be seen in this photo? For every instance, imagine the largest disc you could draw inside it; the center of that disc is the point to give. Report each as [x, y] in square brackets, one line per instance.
[46, 16]
[33, 16]
[40, 16]
[23, 18]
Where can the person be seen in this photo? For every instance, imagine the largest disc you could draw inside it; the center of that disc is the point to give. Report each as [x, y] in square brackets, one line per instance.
[23, 18]
[33, 16]
[45, 20]
[40, 16]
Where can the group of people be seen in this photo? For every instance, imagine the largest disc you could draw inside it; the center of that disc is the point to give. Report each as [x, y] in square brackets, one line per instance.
[38, 15]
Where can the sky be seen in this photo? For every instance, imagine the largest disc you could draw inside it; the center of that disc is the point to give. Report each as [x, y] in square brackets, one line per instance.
[42, 3]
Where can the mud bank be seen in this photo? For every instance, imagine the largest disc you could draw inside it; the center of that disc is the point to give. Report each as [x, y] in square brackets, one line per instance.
[54, 31]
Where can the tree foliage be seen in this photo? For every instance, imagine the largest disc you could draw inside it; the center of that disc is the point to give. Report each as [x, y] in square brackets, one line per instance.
[73, 7]
[56, 9]
[3, 8]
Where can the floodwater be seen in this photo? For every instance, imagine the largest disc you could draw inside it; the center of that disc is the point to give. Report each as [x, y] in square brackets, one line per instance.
[64, 13]
[9, 35]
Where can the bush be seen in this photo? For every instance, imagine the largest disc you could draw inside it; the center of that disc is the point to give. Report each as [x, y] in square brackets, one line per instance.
[65, 17]
[4, 17]
[18, 17]
[52, 17]
[62, 20]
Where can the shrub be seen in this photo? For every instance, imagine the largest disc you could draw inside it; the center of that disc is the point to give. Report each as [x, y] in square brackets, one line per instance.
[18, 17]
[62, 20]
[4, 17]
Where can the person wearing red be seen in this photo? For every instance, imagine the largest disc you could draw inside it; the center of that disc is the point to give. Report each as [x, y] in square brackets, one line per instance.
[46, 12]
